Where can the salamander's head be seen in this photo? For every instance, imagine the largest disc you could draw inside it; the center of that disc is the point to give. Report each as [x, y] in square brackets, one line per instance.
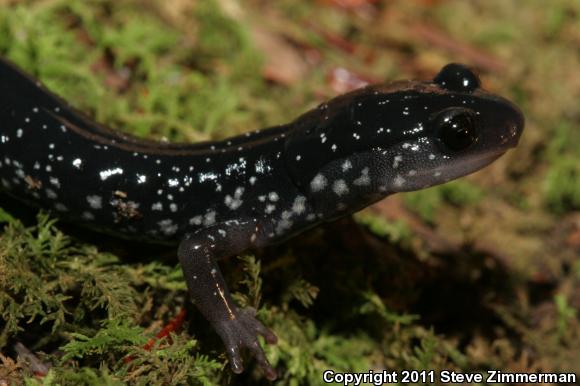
[459, 129]
[405, 135]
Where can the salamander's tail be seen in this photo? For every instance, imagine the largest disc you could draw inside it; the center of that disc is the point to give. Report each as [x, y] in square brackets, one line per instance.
[20, 94]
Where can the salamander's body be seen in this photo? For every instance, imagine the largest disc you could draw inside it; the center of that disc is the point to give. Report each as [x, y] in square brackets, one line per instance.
[220, 198]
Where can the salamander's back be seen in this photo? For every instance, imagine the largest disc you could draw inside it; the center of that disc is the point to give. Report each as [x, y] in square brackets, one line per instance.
[16, 86]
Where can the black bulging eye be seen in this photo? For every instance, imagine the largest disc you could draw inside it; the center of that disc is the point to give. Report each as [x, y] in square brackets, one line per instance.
[457, 129]
[457, 77]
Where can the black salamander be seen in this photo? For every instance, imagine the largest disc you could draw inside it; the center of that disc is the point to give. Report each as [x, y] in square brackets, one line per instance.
[220, 198]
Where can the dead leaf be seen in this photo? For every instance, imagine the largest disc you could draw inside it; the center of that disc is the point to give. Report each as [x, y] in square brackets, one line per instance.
[284, 63]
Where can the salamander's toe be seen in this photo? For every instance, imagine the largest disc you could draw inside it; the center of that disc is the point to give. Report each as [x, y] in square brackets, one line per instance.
[249, 316]
[242, 332]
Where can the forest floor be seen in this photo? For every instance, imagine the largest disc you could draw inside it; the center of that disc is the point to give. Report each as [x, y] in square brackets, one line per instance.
[477, 274]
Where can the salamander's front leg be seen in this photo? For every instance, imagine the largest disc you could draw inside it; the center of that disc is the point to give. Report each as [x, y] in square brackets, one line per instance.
[238, 328]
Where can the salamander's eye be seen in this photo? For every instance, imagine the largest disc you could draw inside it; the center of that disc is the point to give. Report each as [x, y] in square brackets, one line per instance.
[456, 128]
[457, 77]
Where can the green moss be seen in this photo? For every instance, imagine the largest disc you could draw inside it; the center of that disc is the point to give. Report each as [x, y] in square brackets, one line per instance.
[43, 272]
[562, 182]
[424, 202]
[5, 216]
[396, 232]
[78, 377]
[566, 315]
[222, 40]
[562, 185]
[375, 305]
[88, 303]
[459, 193]
[107, 340]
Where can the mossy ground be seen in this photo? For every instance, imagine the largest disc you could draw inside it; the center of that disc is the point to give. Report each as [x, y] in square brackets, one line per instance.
[476, 274]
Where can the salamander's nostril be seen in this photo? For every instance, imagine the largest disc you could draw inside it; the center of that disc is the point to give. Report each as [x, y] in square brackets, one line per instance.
[517, 126]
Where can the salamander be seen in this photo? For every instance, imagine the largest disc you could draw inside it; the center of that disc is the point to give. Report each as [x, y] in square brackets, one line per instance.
[217, 199]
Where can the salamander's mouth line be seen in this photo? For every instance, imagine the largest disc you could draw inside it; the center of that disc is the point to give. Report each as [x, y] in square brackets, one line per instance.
[487, 156]
[486, 159]
[467, 167]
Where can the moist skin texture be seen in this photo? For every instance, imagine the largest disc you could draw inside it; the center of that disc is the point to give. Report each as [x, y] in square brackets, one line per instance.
[218, 199]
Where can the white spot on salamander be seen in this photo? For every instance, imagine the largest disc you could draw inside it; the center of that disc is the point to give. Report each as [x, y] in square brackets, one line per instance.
[397, 160]
[399, 181]
[196, 220]
[51, 194]
[318, 183]
[209, 218]
[110, 172]
[54, 181]
[95, 202]
[167, 227]
[60, 207]
[346, 165]
[236, 201]
[283, 225]
[299, 205]
[86, 215]
[339, 187]
[364, 179]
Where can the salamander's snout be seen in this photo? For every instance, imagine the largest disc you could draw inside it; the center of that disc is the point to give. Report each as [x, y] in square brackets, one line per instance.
[503, 123]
